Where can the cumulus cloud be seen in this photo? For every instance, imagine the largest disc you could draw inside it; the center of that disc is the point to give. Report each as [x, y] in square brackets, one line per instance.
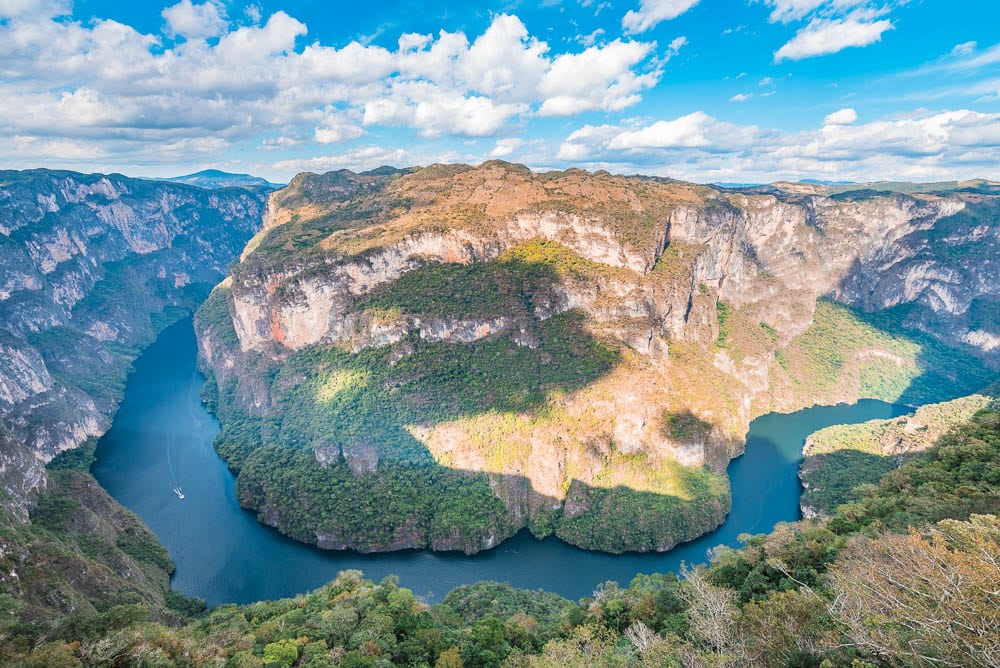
[841, 117]
[741, 97]
[653, 12]
[336, 128]
[106, 83]
[504, 147]
[192, 21]
[39, 8]
[597, 78]
[948, 144]
[833, 25]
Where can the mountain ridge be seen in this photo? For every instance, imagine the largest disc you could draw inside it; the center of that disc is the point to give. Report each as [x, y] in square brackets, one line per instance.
[216, 178]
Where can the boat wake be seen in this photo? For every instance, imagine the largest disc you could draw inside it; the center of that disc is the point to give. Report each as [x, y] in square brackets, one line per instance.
[179, 493]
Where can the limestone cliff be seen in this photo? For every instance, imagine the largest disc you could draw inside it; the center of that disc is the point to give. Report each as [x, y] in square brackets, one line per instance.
[92, 265]
[590, 347]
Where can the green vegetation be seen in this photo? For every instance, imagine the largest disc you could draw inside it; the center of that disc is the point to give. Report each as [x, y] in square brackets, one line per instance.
[843, 458]
[621, 519]
[958, 477]
[82, 568]
[506, 286]
[686, 427]
[366, 414]
[399, 506]
[723, 315]
[876, 354]
[214, 314]
[832, 479]
[905, 577]
[359, 404]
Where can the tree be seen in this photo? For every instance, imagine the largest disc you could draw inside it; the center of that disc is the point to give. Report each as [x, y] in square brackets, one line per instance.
[450, 658]
[714, 617]
[925, 599]
[281, 653]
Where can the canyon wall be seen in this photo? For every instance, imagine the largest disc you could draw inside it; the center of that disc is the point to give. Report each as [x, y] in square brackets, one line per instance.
[92, 266]
[705, 299]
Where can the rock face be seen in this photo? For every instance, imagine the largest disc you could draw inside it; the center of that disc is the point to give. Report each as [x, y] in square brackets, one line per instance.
[91, 266]
[658, 318]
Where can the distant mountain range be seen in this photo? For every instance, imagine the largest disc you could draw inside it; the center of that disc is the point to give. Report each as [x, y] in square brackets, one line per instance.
[214, 178]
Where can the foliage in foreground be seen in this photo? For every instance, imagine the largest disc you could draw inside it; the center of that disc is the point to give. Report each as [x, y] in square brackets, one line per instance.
[904, 577]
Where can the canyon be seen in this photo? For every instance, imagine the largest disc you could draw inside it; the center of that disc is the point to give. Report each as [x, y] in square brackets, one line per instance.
[440, 357]
[94, 266]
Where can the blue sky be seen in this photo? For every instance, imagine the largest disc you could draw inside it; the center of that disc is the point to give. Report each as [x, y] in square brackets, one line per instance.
[706, 90]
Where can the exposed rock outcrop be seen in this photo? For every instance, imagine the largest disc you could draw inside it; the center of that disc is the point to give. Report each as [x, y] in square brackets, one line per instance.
[706, 298]
[92, 265]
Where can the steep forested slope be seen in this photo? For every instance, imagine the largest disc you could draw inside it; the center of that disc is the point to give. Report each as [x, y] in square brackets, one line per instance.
[904, 577]
[440, 357]
[92, 265]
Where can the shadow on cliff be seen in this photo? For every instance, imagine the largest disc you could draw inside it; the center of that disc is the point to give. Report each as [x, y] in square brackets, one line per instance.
[946, 371]
[949, 248]
[369, 415]
[835, 478]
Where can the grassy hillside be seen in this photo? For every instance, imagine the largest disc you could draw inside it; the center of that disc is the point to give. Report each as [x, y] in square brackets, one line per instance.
[875, 356]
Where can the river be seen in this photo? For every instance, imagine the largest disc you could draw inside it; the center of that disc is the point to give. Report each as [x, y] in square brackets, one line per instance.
[160, 446]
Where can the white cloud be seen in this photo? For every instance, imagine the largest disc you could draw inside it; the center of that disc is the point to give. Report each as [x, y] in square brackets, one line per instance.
[964, 58]
[599, 78]
[335, 128]
[505, 147]
[37, 8]
[360, 159]
[841, 117]
[591, 39]
[676, 44]
[106, 84]
[280, 143]
[963, 49]
[826, 36]
[435, 110]
[785, 11]
[653, 12]
[253, 13]
[833, 25]
[741, 97]
[944, 145]
[693, 130]
[193, 21]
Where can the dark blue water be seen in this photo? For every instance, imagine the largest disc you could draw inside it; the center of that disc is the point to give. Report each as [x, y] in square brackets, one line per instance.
[161, 444]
